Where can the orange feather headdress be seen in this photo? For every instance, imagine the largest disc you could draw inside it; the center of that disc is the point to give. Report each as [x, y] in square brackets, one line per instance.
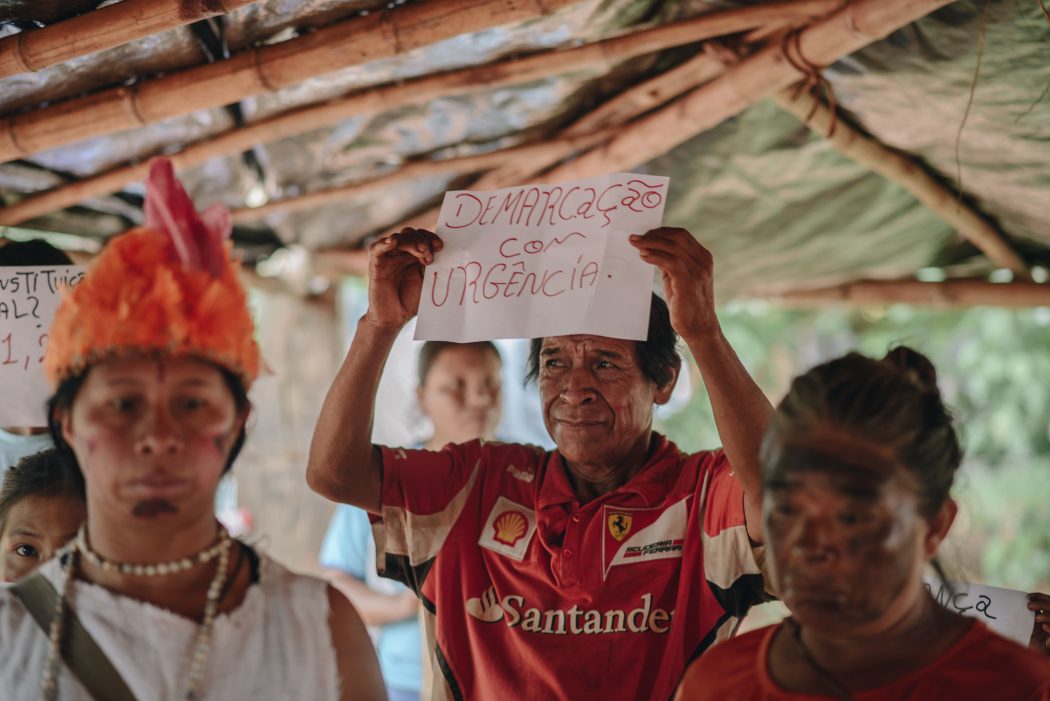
[168, 288]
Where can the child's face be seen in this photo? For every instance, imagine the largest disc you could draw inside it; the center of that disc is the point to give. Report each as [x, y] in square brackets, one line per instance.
[36, 526]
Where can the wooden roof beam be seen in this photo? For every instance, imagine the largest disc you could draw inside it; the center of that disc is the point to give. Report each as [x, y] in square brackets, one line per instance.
[650, 94]
[605, 53]
[903, 170]
[856, 25]
[420, 169]
[946, 294]
[105, 28]
[259, 70]
[612, 114]
[520, 162]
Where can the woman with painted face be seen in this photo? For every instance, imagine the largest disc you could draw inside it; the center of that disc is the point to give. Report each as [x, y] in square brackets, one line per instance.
[459, 392]
[858, 465]
[151, 357]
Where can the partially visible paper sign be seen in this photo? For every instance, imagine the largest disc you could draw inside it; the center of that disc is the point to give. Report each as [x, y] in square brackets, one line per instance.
[543, 260]
[29, 297]
[1003, 610]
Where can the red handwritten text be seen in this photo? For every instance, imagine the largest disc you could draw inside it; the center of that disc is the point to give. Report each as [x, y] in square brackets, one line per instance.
[474, 283]
[549, 205]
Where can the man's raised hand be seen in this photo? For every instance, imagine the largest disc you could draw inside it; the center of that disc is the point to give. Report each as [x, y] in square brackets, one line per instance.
[395, 274]
[688, 270]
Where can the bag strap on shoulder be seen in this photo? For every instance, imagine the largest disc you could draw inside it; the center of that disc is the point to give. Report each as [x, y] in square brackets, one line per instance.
[81, 653]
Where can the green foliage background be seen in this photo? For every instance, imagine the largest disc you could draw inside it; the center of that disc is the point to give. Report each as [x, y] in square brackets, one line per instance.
[994, 369]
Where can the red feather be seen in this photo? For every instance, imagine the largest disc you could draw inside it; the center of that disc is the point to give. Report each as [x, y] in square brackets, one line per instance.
[197, 238]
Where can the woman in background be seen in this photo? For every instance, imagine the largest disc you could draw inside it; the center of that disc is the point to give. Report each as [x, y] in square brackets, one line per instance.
[459, 392]
[858, 466]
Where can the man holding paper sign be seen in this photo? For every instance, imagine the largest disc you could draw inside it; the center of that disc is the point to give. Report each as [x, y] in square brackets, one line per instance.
[598, 570]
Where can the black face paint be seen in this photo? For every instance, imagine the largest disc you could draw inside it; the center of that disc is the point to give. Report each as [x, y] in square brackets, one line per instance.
[220, 442]
[857, 471]
[152, 508]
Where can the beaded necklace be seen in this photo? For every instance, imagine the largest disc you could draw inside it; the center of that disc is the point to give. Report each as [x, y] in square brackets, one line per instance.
[79, 546]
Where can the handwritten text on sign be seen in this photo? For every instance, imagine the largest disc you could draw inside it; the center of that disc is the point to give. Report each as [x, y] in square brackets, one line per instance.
[29, 297]
[543, 260]
[1003, 610]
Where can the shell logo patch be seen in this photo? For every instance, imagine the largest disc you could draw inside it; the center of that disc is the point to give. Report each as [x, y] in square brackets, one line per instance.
[509, 529]
[619, 525]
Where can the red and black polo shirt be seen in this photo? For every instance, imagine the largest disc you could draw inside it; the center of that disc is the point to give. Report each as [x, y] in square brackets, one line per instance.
[531, 595]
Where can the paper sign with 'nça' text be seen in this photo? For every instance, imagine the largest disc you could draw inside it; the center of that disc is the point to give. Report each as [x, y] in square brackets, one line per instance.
[1003, 610]
[29, 297]
[543, 260]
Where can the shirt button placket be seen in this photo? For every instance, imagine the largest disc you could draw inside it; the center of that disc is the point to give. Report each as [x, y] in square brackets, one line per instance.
[568, 551]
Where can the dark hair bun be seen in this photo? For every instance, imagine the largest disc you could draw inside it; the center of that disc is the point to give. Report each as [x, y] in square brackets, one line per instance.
[892, 402]
[915, 366]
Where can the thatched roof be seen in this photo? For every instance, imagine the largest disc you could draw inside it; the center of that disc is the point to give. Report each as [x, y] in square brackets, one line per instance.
[282, 98]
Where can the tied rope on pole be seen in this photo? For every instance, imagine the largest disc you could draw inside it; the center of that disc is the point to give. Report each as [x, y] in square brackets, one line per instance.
[814, 80]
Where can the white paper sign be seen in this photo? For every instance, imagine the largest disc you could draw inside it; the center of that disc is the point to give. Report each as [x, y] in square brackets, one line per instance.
[543, 260]
[1003, 610]
[29, 297]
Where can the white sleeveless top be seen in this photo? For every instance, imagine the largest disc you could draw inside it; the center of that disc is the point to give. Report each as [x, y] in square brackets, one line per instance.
[275, 645]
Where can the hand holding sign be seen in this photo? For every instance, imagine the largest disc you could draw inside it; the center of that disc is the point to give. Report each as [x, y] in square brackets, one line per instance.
[687, 270]
[395, 275]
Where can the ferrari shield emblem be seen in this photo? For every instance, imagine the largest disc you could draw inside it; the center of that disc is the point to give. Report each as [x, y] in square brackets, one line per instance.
[619, 525]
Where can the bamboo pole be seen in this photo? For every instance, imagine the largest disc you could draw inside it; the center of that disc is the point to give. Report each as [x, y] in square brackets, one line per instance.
[35, 49]
[904, 171]
[650, 94]
[257, 70]
[847, 30]
[599, 55]
[544, 150]
[950, 293]
[617, 111]
[723, 97]
[513, 172]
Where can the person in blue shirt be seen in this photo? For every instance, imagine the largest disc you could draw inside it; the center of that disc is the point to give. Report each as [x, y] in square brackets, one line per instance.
[459, 391]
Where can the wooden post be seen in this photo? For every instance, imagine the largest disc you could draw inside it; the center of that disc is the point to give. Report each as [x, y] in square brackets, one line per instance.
[903, 170]
[950, 293]
[35, 49]
[303, 346]
[598, 55]
[851, 28]
[258, 70]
